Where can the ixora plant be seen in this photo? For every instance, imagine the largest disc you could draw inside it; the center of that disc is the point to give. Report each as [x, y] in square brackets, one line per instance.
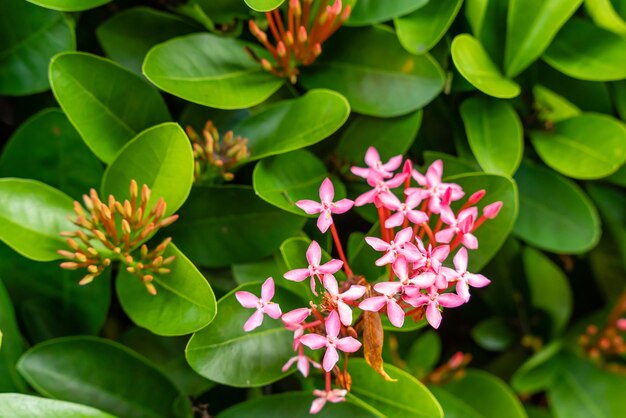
[187, 227]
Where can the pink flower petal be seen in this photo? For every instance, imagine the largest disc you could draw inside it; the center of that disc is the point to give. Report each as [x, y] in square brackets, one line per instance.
[314, 341]
[394, 220]
[254, 321]
[393, 163]
[348, 344]
[398, 180]
[373, 304]
[267, 290]
[342, 206]
[424, 280]
[296, 275]
[331, 357]
[404, 236]
[372, 157]
[331, 267]
[401, 268]
[492, 210]
[360, 171]
[327, 191]
[303, 365]
[296, 316]
[289, 363]
[445, 235]
[441, 252]
[388, 258]
[395, 314]
[462, 289]
[333, 325]
[317, 405]
[337, 395]
[460, 260]
[450, 300]
[247, 299]
[314, 254]
[377, 243]
[324, 221]
[388, 288]
[354, 292]
[470, 241]
[330, 283]
[417, 217]
[390, 201]
[477, 280]
[309, 206]
[273, 310]
[434, 172]
[365, 198]
[345, 313]
[433, 316]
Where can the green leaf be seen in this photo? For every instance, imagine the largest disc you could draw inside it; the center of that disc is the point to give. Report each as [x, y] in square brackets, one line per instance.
[184, 302]
[605, 16]
[264, 5]
[452, 165]
[491, 234]
[495, 134]
[47, 148]
[619, 96]
[424, 354]
[587, 52]
[367, 12]
[284, 179]
[555, 215]
[407, 397]
[531, 26]
[551, 106]
[611, 203]
[391, 136]
[12, 348]
[549, 288]
[13, 405]
[128, 35]
[254, 358]
[69, 5]
[160, 157]
[588, 146]
[29, 37]
[487, 19]
[362, 257]
[539, 371]
[295, 405]
[483, 394]
[472, 61]
[32, 215]
[381, 80]
[102, 374]
[94, 94]
[210, 71]
[219, 226]
[493, 334]
[420, 31]
[292, 124]
[254, 271]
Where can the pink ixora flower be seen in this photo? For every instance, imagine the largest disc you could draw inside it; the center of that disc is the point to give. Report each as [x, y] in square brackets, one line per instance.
[433, 188]
[380, 187]
[433, 299]
[332, 396]
[372, 159]
[353, 293]
[458, 225]
[331, 342]
[304, 362]
[326, 207]
[314, 257]
[403, 210]
[262, 305]
[400, 246]
[463, 278]
[389, 290]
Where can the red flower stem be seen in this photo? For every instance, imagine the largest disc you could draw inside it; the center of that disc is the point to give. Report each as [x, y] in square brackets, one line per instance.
[478, 223]
[312, 324]
[279, 23]
[339, 247]
[456, 242]
[381, 221]
[316, 313]
[306, 8]
[439, 223]
[327, 381]
[412, 311]
[290, 20]
[270, 20]
[429, 232]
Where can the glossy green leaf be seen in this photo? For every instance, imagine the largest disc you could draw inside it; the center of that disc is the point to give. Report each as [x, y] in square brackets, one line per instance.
[390, 136]
[555, 215]
[424, 354]
[539, 371]
[13, 405]
[210, 71]
[381, 80]
[481, 393]
[219, 226]
[407, 397]
[94, 94]
[32, 215]
[69, 5]
[367, 12]
[605, 16]
[588, 146]
[551, 106]
[619, 96]
[264, 5]
[286, 178]
[472, 61]
[493, 334]
[531, 26]
[88, 370]
[549, 288]
[420, 31]
[362, 256]
[495, 134]
[184, 302]
[128, 36]
[29, 37]
[611, 203]
[47, 148]
[292, 124]
[295, 405]
[587, 52]
[253, 271]
[160, 157]
[491, 234]
[12, 348]
[254, 358]
[537, 412]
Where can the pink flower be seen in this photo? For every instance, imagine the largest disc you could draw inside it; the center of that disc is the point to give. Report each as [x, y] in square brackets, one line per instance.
[327, 207]
[433, 187]
[332, 396]
[372, 159]
[389, 290]
[331, 342]
[422, 280]
[303, 364]
[463, 278]
[293, 322]
[314, 257]
[434, 299]
[492, 210]
[403, 210]
[380, 187]
[262, 305]
[353, 293]
[399, 246]
[431, 258]
[461, 225]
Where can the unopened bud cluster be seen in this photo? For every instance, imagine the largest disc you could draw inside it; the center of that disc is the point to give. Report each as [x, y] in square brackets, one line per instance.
[112, 230]
[298, 34]
[607, 344]
[212, 154]
[451, 370]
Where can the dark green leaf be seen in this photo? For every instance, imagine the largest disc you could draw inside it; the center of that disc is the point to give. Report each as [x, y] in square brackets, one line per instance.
[493, 334]
[11, 346]
[69, 5]
[13, 405]
[367, 12]
[94, 94]
[539, 371]
[424, 354]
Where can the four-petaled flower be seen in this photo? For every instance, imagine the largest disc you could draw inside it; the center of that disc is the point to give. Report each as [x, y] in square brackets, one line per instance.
[403, 210]
[433, 299]
[380, 187]
[326, 207]
[332, 396]
[353, 293]
[400, 246]
[314, 257]
[372, 159]
[389, 290]
[463, 278]
[433, 188]
[458, 225]
[262, 305]
[303, 364]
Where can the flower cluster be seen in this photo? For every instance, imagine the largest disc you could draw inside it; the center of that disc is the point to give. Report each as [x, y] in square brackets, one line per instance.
[112, 230]
[606, 345]
[432, 227]
[298, 41]
[212, 155]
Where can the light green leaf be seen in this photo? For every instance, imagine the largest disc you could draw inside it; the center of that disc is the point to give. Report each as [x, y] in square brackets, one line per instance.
[12, 348]
[94, 94]
[588, 146]
[552, 106]
[367, 12]
[605, 16]
[495, 134]
[531, 26]
[13, 405]
[69, 5]
[264, 5]
[472, 61]
[210, 71]
[184, 302]
[555, 215]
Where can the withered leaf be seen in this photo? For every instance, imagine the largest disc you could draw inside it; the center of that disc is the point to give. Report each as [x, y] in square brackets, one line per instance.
[373, 336]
